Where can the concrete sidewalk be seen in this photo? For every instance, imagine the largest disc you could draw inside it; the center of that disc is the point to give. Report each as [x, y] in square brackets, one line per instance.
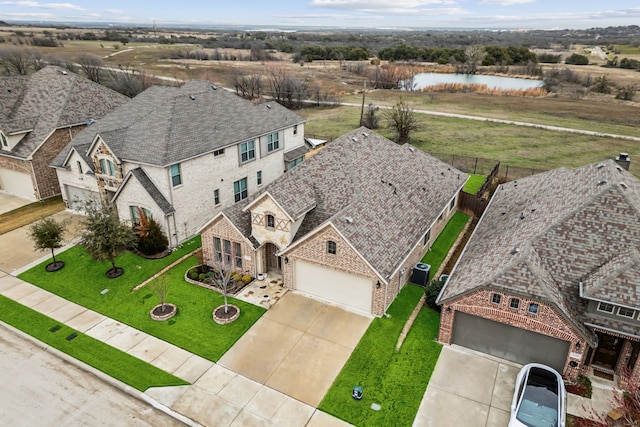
[217, 396]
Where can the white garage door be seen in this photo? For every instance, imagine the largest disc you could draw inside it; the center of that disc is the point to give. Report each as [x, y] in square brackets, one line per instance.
[78, 197]
[344, 289]
[17, 183]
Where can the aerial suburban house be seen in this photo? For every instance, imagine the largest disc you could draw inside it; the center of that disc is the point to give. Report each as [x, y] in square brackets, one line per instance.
[552, 273]
[179, 155]
[346, 226]
[39, 114]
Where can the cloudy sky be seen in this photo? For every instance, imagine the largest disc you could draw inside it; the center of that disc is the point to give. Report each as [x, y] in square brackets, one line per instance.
[540, 14]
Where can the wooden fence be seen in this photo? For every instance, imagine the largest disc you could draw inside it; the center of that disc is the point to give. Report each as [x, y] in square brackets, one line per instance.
[472, 204]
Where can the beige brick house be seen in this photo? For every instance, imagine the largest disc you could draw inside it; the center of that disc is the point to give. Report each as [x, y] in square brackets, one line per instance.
[180, 154]
[552, 273]
[346, 226]
[39, 114]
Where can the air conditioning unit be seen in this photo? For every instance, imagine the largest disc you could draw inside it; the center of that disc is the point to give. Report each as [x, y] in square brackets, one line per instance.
[420, 274]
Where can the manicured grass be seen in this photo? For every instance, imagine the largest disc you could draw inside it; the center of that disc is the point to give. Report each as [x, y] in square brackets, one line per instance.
[30, 213]
[395, 381]
[445, 240]
[474, 183]
[82, 281]
[113, 362]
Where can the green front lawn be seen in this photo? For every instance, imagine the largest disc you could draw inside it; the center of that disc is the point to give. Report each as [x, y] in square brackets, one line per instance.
[115, 363]
[395, 381]
[474, 183]
[445, 241]
[83, 281]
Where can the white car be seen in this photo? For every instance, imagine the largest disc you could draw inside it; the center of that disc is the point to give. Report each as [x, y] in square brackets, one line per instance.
[539, 399]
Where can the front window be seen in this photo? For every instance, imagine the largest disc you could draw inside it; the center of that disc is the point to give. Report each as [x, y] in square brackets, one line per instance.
[533, 308]
[216, 197]
[272, 142]
[227, 251]
[107, 166]
[217, 245]
[240, 189]
[237, 252]
[514, 303]
[496, 298]
[247, 151]
[176, 178]
[271, 221]
[137, 213]
[626, 312]
[331, 247]
[606, 307]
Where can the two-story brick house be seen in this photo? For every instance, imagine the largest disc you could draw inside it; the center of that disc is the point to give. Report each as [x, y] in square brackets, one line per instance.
[552, 273]
[346, 226]
[39, 114]
[180, 154]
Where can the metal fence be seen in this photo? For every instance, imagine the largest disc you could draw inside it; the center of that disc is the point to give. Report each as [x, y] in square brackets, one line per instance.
[483, 166]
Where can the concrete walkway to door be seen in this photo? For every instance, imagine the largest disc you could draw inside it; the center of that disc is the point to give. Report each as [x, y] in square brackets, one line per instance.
[298, 347]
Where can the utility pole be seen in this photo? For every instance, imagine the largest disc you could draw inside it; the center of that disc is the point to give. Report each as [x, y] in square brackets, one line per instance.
[364, 91]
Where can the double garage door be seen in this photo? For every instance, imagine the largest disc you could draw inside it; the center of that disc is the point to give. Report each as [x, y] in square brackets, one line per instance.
[78, 197]
[508, 342]
[344, 289]
[17, 183]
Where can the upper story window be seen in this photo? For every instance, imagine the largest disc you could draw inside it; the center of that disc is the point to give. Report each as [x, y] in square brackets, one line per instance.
[295, 129]
[272, 142]
[332, 248]
[626, 312]
[216, 197]
[533, 308]
[514, 303]
[247, 151]
[271, 221]
[259, 177]
[79, 166]
[107, 167]
[496, 298]
[5, 143]
[606, 307]
[176, 177]
[240, 189]
[219, 152]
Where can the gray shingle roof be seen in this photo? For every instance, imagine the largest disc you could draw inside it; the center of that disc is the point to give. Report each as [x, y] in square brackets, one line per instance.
[153, 191]
[50, 99]
[295, 153]
[390, 193]
[166, 125]
[569, 226]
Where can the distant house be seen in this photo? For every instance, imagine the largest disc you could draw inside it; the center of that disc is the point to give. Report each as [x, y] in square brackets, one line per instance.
[346, 226]
[39, 114]
[180, 155]
[552, 273]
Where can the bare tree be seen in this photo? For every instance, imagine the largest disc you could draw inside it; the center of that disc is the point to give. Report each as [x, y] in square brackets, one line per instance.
[246, 86]
[124, 80]
[475, 55]
[390, 76]
[160, 289]
[403, 120]
[15, 60]
[92, 66]
[277, 77]
[222, 276]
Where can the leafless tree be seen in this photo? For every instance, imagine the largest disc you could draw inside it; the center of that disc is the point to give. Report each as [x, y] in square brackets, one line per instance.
[160, 289]
[124, 80]
[475, 55]
[92, 66]
[287, 90]
[246, 86]
[403, 120]
[222, 276]
[15, 60]
[389, 76]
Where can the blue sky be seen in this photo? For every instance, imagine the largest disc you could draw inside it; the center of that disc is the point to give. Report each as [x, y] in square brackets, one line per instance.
[526, 14]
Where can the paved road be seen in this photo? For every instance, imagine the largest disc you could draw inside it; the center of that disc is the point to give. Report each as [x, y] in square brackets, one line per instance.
[39, 389]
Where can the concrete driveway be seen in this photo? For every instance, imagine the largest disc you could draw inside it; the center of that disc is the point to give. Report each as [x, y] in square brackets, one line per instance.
[298, 347]
[468, 389]
[9, 202]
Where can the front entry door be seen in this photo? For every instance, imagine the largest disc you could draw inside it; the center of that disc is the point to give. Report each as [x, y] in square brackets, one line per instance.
[273, 261]
[606, 355]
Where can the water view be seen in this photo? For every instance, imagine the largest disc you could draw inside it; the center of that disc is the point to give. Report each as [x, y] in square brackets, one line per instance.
[423, 80]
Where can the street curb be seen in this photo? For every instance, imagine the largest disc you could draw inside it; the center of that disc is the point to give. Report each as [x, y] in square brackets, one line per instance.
[102, 376]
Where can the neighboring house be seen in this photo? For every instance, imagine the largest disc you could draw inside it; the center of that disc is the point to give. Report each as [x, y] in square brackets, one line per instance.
[180, 154]
[346, 226]
[39, 114]
[552, 273]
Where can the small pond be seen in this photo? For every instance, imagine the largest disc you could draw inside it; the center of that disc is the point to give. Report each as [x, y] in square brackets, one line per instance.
[423, 80]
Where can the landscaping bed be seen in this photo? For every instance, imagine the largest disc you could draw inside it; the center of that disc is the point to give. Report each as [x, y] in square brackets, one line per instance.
[82, 281]
[199, 275]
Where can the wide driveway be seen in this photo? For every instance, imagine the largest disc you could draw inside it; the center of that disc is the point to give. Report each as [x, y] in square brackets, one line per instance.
[468, 389]
[9, 202]
[298, 347]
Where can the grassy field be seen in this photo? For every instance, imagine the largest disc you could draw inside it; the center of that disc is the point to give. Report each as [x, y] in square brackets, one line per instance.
[29, 214]
[113, 362]
[82, 281]
[445, 241]
[395, 381]
[513, 145]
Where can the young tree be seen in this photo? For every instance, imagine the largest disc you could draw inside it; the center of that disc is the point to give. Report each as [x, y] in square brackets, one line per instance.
[160, 289]
[402, 119]
[106, 237]
[47, 234]
[222, 277]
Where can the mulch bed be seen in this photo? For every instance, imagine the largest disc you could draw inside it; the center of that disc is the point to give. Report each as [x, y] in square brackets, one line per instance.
[54, 266]
[159, 255]
[112, 273]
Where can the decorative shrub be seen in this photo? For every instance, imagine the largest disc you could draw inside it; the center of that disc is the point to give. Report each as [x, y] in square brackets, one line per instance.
[237, 277]
[432, 290]
[246, 279]
[193, 273]
[153, 241]
[202, 277]
[582, 387]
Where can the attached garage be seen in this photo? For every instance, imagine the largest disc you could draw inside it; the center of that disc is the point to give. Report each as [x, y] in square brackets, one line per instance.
[78, 197]
[349, 290]
[17, 183]
[508, 342]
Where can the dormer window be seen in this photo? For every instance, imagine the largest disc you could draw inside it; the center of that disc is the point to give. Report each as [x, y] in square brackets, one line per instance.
[332, 248]
[107, 167]
[271, 221]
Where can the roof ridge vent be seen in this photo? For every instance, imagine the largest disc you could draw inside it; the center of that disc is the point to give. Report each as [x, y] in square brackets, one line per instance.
[268, 106]
[602, 182]
[412, 149]
[214, 87]
[623, 184]
[620, 168]
[600, 165]
[365, 134]
[348, 219]
[192, 97]
[515, 251]
[354, 139]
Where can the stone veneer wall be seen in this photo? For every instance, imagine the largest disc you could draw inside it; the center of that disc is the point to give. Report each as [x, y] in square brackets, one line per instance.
[546, 322]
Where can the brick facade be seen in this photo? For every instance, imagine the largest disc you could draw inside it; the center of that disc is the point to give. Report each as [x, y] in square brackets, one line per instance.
[547, 322]
[223, 229]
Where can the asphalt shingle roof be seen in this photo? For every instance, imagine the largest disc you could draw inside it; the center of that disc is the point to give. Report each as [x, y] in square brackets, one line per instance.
[153, 191]
[166, 125]
[543, 235]
[49, 99]
[381, 196]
